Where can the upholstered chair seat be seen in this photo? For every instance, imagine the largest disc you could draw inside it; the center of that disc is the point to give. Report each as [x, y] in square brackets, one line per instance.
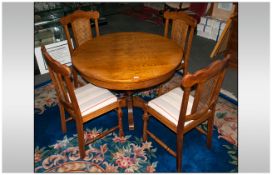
[168, 105]
[92, 98]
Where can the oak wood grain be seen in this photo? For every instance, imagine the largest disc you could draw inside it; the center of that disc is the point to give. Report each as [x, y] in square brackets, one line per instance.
[127, 60]
[82, 31]
[182, 32]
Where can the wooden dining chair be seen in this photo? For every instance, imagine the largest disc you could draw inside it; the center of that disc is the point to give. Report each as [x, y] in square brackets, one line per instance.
[83, 104]
[228, 41]
[181, 112]
[81, 31]
[183, 27]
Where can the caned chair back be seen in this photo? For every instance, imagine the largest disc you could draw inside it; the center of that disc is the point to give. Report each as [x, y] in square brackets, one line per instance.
[207, 83]
[182, 32]
[81, 26]
[61, 78]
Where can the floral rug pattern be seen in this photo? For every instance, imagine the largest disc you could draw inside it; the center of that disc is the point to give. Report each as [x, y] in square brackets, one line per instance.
[45, 96]
[225, 116]
[110, 154]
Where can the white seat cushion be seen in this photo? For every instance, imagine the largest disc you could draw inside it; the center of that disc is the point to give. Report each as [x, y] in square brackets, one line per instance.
[91, 98]
[168, 105]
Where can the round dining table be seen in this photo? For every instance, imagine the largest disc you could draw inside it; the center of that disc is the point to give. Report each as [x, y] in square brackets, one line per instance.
[127, 61]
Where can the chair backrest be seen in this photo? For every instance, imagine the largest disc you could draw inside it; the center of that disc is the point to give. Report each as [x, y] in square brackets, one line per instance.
[182, 32]
[61, 77]
[223, 43]
[81, 26]
[208, 82]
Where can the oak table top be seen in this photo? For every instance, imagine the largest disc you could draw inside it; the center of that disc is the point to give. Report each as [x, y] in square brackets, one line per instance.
[127, 60]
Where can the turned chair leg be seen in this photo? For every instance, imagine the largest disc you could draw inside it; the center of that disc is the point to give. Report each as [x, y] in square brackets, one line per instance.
[62, 118]
[209, 132]
[179, 153]
[81, 142]
[145, 118]
[120, 122]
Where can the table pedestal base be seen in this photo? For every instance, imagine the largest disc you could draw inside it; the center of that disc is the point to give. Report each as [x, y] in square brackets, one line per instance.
[131, 101]
[130, 110]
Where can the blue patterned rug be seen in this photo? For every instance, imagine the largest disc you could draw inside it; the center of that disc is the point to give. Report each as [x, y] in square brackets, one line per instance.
[58, 152]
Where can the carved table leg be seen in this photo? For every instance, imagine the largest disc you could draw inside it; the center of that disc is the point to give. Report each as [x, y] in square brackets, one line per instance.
[130, 110]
